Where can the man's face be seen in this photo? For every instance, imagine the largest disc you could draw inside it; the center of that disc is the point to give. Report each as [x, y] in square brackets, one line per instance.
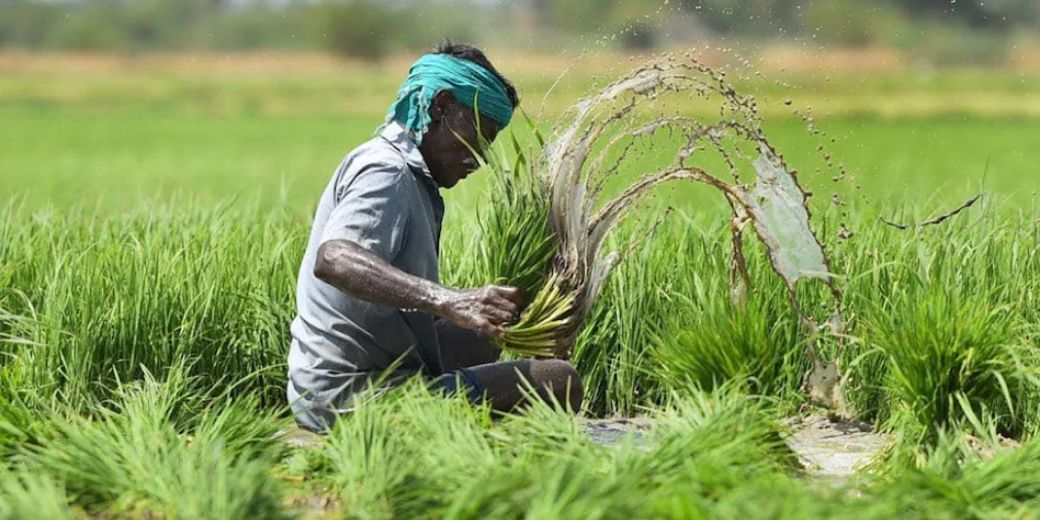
[447, 146]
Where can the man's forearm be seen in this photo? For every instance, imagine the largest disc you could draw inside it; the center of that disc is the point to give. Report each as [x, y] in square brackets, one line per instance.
[365, 275]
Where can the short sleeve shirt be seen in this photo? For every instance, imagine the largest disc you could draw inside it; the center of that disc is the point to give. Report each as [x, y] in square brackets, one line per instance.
[383, 198]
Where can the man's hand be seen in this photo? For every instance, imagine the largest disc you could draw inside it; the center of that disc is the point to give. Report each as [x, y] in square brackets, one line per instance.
[486, 310]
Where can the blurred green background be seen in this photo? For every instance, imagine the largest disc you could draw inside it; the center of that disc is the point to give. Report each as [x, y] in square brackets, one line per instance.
[106, 103]
[941, 31]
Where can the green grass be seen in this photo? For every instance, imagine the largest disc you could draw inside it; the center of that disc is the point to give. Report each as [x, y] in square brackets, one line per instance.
[147, 264]
[458, 464]
[166, 447]
[114, 161]
[211, 288]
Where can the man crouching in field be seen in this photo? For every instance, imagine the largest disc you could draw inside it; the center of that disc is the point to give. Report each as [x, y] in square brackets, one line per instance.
[368, 293]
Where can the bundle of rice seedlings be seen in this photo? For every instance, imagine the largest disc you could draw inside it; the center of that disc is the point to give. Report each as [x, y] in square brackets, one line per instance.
[541, 233]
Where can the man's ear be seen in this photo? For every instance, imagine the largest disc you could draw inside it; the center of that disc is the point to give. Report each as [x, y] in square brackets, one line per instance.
[442, 101]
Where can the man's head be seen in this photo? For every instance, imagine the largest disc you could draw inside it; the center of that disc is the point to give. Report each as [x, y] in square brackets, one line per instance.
[454, 83]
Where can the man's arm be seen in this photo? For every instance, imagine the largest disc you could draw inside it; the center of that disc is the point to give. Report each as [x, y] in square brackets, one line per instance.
[363, 274]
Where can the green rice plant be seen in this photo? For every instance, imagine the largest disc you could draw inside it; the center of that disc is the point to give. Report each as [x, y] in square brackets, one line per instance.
[26, 494]
[726, 414]
[405, 453]
[707, 340]
[21, 412]
[410, 453]
[157, 450]
[954, 480]
[979, 269]
[780, 497]
[518, 248]
[710, 455]
[705, 444]
[941, 344]
[612, 353]
[112, 298]
[516, 224]
[711, 342]
[23, 407]
[667, 320]
[20, 403]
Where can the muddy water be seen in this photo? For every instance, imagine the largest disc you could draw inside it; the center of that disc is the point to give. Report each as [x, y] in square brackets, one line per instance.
[602, 133]
[831, 451]
[609, 432]
[834, 450]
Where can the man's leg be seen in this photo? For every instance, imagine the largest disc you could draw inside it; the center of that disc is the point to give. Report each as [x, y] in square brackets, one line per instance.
[503, 383]
[506, 384]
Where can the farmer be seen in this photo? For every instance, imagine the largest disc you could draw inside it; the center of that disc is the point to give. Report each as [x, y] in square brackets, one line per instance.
[370, 309]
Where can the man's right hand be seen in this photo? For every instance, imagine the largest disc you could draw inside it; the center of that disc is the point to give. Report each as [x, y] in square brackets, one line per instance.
[486, 310]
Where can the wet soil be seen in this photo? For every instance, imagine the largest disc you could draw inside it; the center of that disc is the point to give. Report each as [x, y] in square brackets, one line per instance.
[833, 449]
[610, 431]
[828, 449]
[296, 437]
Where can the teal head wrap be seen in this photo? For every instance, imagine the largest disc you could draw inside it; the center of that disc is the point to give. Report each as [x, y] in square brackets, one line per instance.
[469, 82]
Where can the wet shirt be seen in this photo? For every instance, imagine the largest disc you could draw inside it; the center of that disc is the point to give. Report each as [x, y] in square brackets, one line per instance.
[383, 198]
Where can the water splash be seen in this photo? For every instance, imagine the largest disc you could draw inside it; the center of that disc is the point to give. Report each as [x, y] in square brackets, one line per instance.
[573, 168]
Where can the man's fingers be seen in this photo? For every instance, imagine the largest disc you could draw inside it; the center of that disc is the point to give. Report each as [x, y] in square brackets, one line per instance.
[489, 309]
[499, 316]
[504, 305]
[512, 294]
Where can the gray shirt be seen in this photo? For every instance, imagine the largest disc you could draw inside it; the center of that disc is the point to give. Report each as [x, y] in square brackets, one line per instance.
[383, 198]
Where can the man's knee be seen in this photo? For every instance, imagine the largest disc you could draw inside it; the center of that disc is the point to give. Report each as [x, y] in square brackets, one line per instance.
[561, 379]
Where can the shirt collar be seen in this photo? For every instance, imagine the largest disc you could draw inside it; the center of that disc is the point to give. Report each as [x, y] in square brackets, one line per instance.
[399, 137]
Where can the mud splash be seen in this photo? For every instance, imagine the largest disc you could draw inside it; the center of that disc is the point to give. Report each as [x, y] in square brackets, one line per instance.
[573, 168]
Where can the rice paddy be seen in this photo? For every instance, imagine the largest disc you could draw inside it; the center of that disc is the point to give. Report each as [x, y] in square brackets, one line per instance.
[147, 269]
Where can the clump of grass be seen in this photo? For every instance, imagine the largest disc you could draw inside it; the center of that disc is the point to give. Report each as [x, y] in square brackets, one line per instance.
[456, 463]
[162, 448]
[28, 494]
[953, 479]
[23, 405]
[517, 222]
[406, 453]
[950, 355]
[111, 298]
[709, 342]
[708, 444]
[612, 353]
